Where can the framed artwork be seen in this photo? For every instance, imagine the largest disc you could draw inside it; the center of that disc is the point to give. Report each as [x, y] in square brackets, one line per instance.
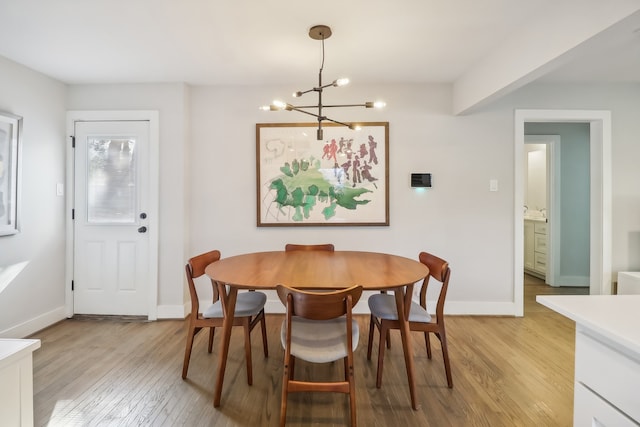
[10, 136]
[341, 180]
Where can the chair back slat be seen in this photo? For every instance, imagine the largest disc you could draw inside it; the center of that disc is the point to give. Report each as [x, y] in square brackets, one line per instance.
[322, 247]
[194, 269]
[439, 270]
[438, 267]
[200, 262]
[319, 305]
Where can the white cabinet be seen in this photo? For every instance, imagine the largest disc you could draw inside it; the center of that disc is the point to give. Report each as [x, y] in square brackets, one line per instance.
[16, 381]
[615, 384]
[607, 351]
[535, 247]
[628, 282]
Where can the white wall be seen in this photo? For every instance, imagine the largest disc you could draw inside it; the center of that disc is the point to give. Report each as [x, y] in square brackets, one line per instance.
[207, 167]
[32, 261]
[458, 219]
[171, 100]
[624, 102]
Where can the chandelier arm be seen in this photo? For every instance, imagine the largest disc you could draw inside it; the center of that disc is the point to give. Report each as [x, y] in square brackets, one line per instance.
[307, 112]
[337, 122]
[302, 92]
[344, 105]
[329, 106]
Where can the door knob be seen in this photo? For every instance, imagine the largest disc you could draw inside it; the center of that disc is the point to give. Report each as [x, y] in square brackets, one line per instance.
[142, 229]
[143, 215]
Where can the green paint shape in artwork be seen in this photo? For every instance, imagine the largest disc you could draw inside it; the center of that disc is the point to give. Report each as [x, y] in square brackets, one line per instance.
[346, 197]
[329, 211]
[303, 186]
[298, 215]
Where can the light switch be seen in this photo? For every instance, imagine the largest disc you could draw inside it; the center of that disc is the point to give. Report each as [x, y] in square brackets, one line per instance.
[59, 189]
[493, 185]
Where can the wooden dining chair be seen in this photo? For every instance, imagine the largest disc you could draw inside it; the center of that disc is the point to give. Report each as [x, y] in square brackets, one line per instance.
[322, 247]
[319, 328]
[249, 312]
[384, 315]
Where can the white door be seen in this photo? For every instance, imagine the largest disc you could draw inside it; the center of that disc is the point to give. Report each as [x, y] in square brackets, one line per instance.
[111, 218]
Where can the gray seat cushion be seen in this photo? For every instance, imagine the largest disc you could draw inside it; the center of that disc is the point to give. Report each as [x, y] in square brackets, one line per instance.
[319, 341]
[383, 306]
[247, 304]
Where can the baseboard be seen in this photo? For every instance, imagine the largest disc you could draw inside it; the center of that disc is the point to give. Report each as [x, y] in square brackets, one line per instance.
[36, 324]
[476, 308]
[174, 311]
[573, 281]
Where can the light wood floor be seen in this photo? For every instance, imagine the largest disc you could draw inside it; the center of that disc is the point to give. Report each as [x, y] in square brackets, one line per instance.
[506, 372]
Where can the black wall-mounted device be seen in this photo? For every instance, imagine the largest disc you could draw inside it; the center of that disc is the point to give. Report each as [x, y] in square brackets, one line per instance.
[420, 180]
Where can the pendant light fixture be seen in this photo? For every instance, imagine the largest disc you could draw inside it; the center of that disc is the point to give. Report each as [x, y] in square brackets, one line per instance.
[320, 32]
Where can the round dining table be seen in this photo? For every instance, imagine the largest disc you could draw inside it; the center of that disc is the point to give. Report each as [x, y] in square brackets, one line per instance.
[318, 270]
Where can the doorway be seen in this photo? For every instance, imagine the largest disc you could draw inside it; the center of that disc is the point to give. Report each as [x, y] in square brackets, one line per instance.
[541, 208]
[112, 237]
[600, 195]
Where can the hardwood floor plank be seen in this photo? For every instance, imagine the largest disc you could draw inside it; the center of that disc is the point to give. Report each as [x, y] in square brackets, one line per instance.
[506, 372]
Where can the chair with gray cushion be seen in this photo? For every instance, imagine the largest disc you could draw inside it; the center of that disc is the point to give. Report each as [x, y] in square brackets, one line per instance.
[384, 315]
[319, 328]
[248, 313]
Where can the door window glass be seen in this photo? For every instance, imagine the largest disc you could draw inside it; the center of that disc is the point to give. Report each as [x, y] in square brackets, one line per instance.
[111, 183]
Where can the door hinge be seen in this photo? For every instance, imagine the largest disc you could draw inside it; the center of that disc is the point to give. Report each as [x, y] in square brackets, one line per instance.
[72, 286]
[73, 141]
[73, 214]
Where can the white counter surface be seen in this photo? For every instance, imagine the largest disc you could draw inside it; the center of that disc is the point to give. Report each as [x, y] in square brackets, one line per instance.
[615, 317]
[13, 349]
[535, 218]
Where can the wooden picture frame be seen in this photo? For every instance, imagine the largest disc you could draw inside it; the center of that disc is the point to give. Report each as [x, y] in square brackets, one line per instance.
[341, 180]
[10, 144]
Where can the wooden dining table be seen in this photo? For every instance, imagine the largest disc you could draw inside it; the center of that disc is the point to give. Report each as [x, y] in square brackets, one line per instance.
[318, 270]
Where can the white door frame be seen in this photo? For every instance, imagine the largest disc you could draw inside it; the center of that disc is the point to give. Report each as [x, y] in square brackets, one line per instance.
[600, 190]
[153, 118]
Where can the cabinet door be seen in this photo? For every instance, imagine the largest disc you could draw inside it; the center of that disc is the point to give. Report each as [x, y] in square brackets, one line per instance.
[540, 262]
[529, 260]
[540, 243]
[590, 410]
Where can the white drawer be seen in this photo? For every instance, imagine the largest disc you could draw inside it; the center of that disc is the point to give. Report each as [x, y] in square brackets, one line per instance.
[590, 410]
[540, 243]
[609, 373]
[540, 261]
[540, 228]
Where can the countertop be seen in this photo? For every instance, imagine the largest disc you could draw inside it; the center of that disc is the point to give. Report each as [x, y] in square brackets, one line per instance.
[614, 317]
[535, 218]
[14, 349]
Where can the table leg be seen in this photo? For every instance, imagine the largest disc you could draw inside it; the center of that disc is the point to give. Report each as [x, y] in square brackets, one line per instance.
[227, 324]
[402, 295]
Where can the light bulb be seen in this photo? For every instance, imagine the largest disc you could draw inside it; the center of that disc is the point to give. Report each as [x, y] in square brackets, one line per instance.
[341, 82]
[379, 104]
[279, 104]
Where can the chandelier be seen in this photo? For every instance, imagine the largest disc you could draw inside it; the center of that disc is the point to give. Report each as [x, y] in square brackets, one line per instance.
[320, 32]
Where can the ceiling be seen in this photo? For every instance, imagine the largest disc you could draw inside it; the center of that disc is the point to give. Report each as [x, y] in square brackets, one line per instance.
[257, 42]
